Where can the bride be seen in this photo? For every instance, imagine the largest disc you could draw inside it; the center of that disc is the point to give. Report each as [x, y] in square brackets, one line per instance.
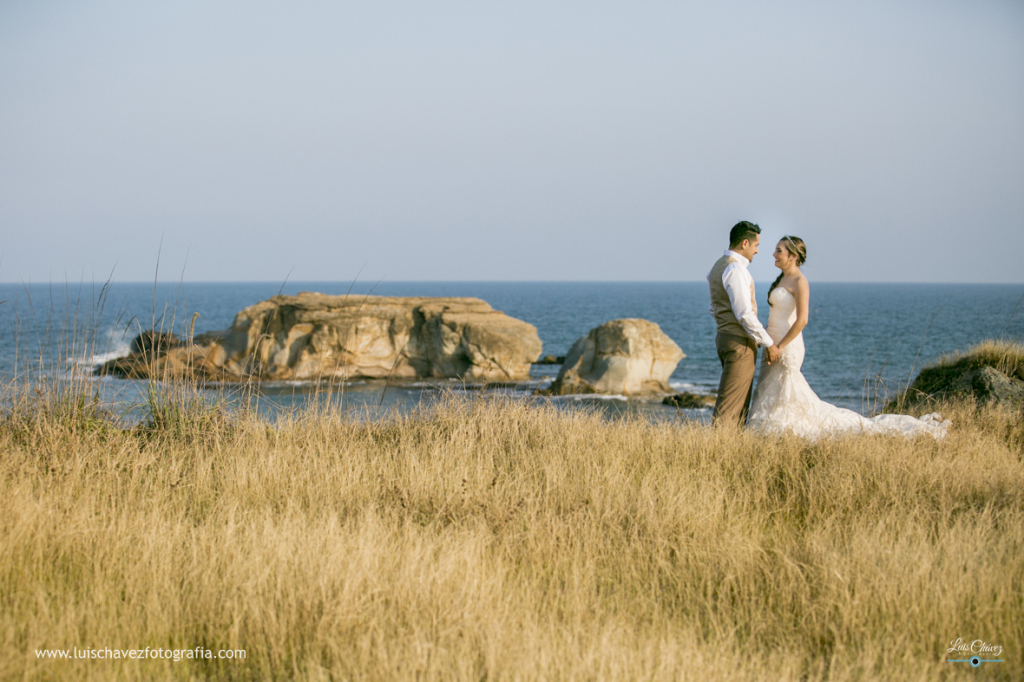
[783, 400]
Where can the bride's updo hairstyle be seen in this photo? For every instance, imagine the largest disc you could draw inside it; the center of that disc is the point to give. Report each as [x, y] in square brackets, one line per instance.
[796, 247]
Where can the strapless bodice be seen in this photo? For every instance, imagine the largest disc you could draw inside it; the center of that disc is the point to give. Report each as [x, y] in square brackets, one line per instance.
[782, 314]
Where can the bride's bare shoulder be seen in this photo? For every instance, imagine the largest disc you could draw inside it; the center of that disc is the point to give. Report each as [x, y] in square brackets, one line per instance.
[803, 287]
[797, 285]
[794, 283]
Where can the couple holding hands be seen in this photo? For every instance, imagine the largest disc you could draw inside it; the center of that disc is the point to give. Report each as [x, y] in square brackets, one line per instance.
[783, 401]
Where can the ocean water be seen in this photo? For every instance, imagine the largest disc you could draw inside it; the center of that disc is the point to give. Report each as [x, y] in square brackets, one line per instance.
[864, 341]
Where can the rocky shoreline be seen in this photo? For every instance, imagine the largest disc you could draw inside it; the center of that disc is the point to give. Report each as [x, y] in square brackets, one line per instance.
[428, 342]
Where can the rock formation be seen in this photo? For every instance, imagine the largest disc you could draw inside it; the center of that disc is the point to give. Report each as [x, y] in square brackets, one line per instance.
[317, 337]
[689, 401]
[154, 342]
[551, 360]
[624, 357]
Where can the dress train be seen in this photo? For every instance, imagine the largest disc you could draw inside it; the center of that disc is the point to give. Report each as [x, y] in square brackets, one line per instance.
[784, 402]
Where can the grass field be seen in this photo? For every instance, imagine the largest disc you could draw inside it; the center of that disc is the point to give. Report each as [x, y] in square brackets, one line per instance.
[488, 539]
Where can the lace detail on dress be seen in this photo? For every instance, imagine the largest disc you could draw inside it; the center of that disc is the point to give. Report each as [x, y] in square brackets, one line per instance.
[784, 401]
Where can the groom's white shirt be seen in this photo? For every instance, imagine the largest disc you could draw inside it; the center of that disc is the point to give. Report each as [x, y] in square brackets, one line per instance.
[738, 284]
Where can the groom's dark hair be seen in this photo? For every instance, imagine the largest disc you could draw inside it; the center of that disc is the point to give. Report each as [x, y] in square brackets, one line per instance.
[744, 229]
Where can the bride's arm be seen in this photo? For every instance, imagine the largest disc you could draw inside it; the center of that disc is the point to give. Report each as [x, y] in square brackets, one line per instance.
[803, 295]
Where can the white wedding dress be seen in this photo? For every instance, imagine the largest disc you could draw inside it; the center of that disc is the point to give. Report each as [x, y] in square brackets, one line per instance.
[784, 401]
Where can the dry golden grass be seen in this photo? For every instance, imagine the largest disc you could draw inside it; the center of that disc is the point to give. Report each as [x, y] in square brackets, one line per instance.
[494, 540]
[1005, 356]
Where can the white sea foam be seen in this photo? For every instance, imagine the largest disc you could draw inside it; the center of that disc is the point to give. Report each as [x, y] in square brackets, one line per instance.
[83, 366]
[113, 340]
[588, 396]
[100, 358]
[683, 386]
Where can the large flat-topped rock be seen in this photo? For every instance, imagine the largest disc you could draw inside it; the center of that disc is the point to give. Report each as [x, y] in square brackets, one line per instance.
[316, 337]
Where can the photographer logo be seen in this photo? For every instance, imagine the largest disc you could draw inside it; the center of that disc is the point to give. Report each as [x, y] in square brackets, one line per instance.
[974, 652]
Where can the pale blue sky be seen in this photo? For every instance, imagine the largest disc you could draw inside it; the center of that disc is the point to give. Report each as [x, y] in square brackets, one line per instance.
[509, 141]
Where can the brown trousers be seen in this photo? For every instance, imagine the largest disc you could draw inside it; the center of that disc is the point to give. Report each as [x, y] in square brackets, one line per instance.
[738, 355]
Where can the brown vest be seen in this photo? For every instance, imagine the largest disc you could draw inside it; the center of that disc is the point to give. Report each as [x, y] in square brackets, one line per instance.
[724, 317]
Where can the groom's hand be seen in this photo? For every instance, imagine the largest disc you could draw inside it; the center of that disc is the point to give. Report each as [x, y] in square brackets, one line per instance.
[773, 353]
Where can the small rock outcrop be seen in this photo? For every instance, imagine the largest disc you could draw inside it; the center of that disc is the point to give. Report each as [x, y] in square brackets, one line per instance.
[991, 372]
[146, 350]
[317, 337]
[154, 342]
[629, 357]
[551, 360]
[689, 401]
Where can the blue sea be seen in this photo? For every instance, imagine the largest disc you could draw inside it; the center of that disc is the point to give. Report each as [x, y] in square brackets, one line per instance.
[864, 341]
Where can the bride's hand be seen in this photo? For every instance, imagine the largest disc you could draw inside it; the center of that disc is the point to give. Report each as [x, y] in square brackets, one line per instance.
[772, 354]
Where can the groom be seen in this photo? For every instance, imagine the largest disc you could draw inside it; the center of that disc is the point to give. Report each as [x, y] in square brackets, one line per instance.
[739, 331]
